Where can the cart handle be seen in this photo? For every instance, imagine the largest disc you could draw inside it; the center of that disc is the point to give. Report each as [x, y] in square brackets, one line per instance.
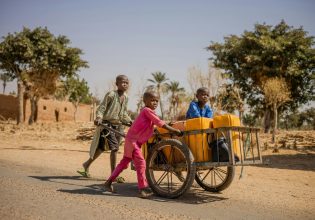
[112, 130]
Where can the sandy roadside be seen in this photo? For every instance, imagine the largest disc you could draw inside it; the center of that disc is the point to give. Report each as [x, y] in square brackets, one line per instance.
[38, 181]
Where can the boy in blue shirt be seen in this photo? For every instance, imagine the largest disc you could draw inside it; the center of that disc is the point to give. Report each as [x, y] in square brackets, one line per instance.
[200, 108]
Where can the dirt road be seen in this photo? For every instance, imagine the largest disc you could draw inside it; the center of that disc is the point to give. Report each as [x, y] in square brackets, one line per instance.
[38, 181]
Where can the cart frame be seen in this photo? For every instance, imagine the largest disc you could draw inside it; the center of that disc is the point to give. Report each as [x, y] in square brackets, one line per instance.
[166, 183]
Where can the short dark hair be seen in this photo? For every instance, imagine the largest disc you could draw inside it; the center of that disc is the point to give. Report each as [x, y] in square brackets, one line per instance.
[148, 94]
[202, 89]
[120, 77]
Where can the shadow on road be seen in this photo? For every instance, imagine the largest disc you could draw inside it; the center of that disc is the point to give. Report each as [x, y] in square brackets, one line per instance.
[94, 189]
[193, 196]
[125, 190]
[75, 182]
[55, 178]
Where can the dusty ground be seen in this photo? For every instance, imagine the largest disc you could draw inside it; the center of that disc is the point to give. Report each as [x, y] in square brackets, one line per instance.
[38, 180]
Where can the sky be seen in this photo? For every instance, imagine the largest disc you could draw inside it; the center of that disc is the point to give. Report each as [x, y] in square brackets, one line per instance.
[137, 38]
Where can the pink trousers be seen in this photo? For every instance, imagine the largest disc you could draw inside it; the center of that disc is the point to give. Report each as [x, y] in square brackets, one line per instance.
[140, 166]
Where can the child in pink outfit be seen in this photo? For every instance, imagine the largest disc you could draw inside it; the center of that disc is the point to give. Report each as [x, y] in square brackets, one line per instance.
[140, 131]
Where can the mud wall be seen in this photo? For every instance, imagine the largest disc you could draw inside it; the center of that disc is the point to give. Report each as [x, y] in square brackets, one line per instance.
[8, 106]
[48, 110]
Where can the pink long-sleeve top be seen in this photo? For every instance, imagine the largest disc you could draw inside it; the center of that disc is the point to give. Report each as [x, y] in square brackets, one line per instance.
[142, 128]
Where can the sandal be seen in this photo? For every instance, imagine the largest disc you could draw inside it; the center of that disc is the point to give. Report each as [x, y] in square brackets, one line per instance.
[120, 179]
[84, 173]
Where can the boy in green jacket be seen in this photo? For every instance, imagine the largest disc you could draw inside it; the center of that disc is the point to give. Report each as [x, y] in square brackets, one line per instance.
[112, 112]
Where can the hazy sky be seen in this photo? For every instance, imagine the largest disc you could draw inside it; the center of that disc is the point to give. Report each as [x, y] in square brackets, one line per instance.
[137, 38]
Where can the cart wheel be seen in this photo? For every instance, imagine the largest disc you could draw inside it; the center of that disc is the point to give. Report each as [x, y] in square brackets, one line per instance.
[216, 178]
[170, 168]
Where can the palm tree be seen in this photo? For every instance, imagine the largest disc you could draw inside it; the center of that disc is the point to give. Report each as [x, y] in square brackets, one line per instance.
[174, 88]
[159, 80]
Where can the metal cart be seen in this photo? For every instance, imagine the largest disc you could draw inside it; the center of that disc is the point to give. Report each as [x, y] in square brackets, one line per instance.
[171, 166]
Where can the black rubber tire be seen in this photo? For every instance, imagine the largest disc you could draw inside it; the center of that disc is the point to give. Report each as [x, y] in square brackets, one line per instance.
[187, 162]
[213, 187]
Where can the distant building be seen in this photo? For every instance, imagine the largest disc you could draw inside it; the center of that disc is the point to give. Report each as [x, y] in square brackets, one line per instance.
[48, 110]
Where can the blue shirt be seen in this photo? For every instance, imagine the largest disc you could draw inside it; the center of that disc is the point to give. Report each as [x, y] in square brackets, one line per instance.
[194, 111]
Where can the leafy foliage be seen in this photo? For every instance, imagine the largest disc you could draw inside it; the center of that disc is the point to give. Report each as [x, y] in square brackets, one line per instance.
[38, 59]
[308, 117]
[230, 99]
[280, 51]
[249, 120]
[77, 90]
[38, 50]
[300, 120]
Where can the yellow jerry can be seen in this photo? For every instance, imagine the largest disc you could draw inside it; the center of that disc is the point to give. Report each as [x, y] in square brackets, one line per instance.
[178, 125]
[177, 156]
[198, 143]
[228, 120]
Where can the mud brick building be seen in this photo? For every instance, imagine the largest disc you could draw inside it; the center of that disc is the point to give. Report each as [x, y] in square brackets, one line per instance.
[48, 110]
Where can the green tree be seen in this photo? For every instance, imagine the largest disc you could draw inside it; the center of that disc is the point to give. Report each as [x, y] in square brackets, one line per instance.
[175, 90]
[77, 91]
[311, 117]
[37, 53]
[231, 99]
[159, 80]
[289, 120]
[298, 120]
[279, 51]
[249, 120]
[308, 117]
